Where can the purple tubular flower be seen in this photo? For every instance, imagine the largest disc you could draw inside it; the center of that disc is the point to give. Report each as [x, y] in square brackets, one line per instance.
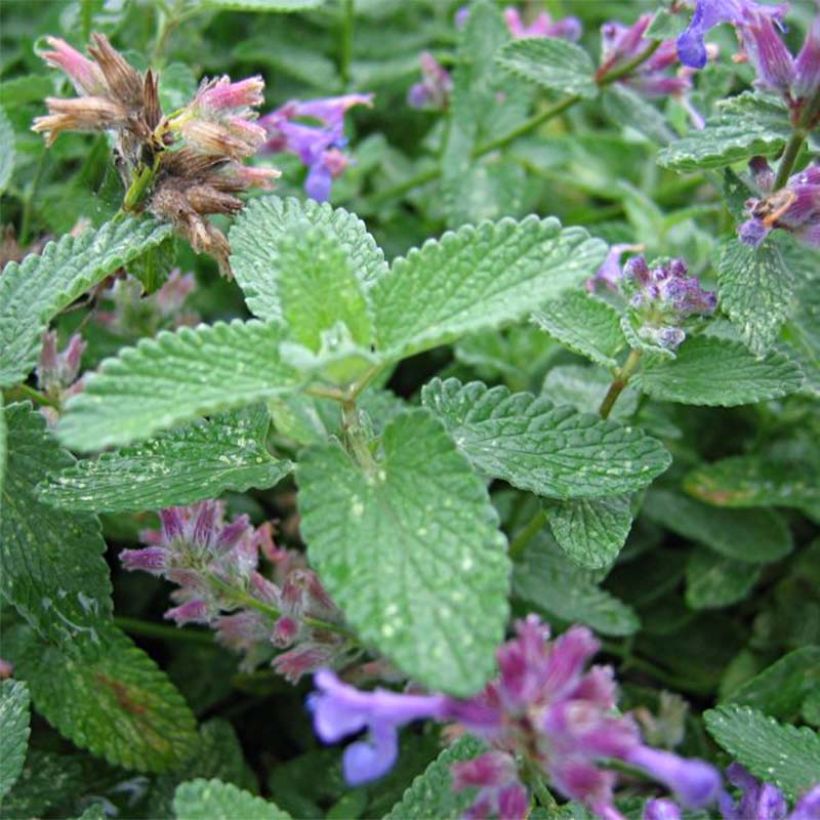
[435, 87]
[696, 783]
[541, 26]
[807, 67]
[340, 710]
[57, 371]
[500, 792]
[661, 809]
[609, 274]
[808, 806]
[85, 75]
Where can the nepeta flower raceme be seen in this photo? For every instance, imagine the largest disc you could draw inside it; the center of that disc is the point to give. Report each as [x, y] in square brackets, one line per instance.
[610, 273]
[436, 85]
[544, 707]
[764, 801]
[319, 143]
[542, 25]
[794, 208]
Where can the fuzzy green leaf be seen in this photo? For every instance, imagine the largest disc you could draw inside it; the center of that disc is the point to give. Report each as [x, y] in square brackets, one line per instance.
[592, 531]
[6, 150]
[47, 780]
[407, 547]
[215, 800]
[755, 536]
[179, 467]
[713, 581]
[431, 793]
[551, 63]
[756, 291]
[552, 451]
[51, 561]
[119, 706]
[784, 755]
[477, 278]
[744, 126]
[39, 287]
[546, 579]
[630, 110]
[585, 325]
[306, 263]
[14, 720]
[3, 447]
[176, 378]
[719, 372]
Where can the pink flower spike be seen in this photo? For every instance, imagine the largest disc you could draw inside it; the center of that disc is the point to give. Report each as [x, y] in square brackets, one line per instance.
[190, 612]
[150, 559]
[85, 75]
[224, 95]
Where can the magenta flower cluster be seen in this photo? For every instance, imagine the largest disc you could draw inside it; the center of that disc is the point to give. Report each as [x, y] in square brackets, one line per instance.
[544, 707]
[216, 567]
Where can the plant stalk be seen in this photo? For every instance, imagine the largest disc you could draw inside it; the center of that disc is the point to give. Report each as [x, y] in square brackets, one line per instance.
[147, 629]
[787, 161]
[619, 383]
[525, 535]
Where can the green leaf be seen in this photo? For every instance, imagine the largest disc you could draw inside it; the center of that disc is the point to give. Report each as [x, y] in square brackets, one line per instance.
[585, 325]
[431, 794]
[177, 86]
[39, 287]
[179, 467]
[51, 560]
[477, 278]
[544, 578]
[215, 800]
[119, 706]
[6, 150]
[756, 291]
[630, 110]
[3, 447]
[551, 63]
[771, 751]
[754, 536]
[175, 378]
[46, 780]
[552, 451]
[14, 720]
[408, 546]
[307, 263]
[713, 581]
[781, 689]
[286, 6]
[748, 125]
[720, 372]
[592, 531]
[584, 387]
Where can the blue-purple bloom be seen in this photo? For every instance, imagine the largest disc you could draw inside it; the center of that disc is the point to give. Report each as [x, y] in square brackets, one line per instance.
[764, 801]
[661, 808]
[433, 92]
[541, 25]
[313, 130]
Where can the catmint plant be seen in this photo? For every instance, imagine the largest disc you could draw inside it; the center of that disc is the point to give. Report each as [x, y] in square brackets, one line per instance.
[293, 480]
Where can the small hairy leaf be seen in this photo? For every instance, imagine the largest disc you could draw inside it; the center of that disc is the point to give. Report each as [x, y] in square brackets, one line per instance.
[551, 63]
[215, 800]
[175, 378]
[47, 780]
[756, 291]
[6, 150]
[744, 126]
[476, 278]
[409, 547]
[14, 720]
[431, 793]
[39, 287]
[713, 581]
[755, 536]
[771, 751]
[591, 531]
[552, 451]
[198, 461]
[307, 263]
[51, 561]
[546, 579]
[720, 372]
[585, 325]
[119, 706]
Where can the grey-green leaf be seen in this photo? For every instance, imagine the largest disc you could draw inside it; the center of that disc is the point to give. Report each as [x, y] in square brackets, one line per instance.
[744, 126]
[476, 278]
[629, 109]
[182, 466]
[407, 547]
[39, 287]
[52, 563]
[7, 150]
[175, 378]
[14, 721]
[552, 451]
[215, 800]
[714, 581]
[756, 291]
[755, 536]
[585, 325]
[552, 63]
[591, 531]
[777, 753]
[718, 372]
[546, 579]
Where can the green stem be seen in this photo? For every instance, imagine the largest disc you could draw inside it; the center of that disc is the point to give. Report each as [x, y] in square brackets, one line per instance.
[793, 148]
[148, 629]
[139, 185]
[28, 205]
[525, 535]
[627, 68]
[531, 775]
[23, 391]
[346, 55]
[619, 383]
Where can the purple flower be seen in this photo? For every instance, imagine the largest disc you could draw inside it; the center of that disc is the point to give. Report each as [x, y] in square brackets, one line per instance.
[340, 710]
[794, 208]
[435, 87]
[501, 794]
[542, 25]
[808, 806]
[764, 801]
[609, 274]
[57, 371]
[318, 144]
[661, 809]
[696, 783]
